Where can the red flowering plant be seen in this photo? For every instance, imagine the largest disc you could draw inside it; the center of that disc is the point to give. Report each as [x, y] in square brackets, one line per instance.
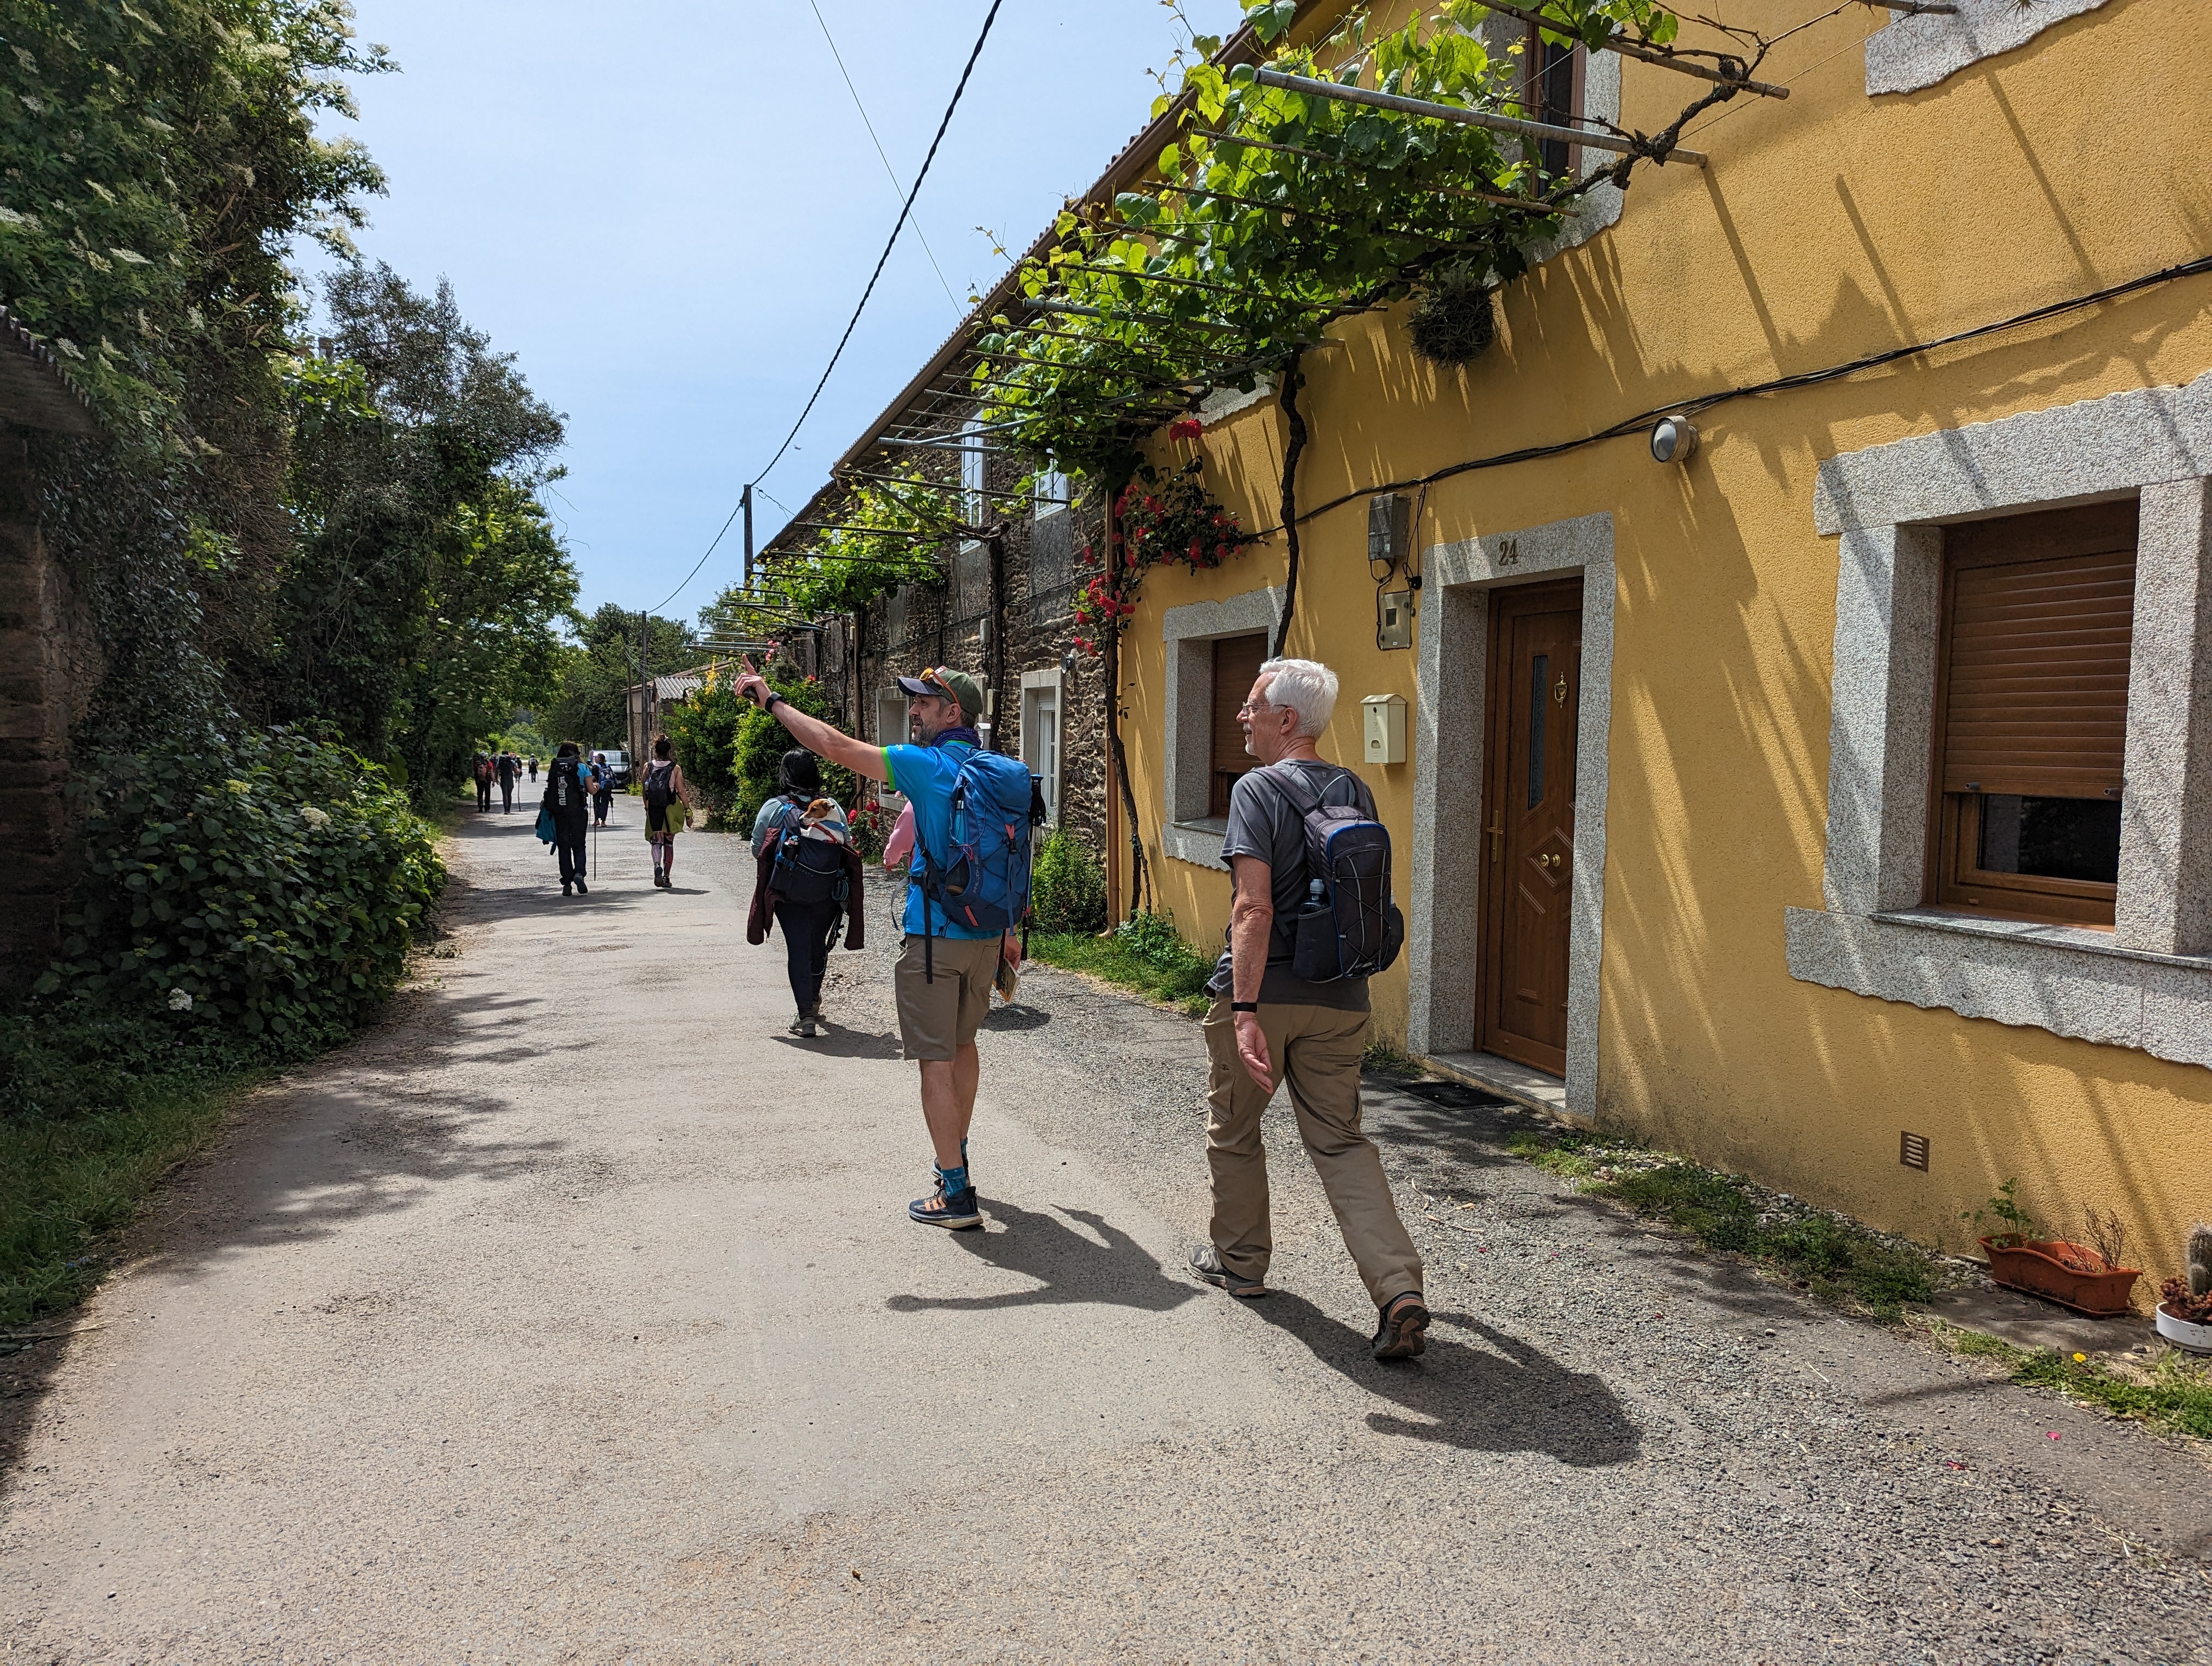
[869, 826]
[1170, 519]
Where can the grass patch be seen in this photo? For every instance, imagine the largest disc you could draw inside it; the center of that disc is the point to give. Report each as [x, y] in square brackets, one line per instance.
[2172, 1392]
[1144, 955]
[90, 1119]
[1837, 1260]
[1388, 1059]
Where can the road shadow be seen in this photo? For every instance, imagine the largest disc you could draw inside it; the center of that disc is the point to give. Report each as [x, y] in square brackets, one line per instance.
[1017, 1017]
[1506, 1397]
[844, 1044]
[1068, 1266]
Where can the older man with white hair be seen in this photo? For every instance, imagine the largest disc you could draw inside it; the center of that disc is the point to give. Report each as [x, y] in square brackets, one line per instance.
[1267, 1024]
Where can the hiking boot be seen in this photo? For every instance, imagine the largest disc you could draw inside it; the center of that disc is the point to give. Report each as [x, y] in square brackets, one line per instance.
[1402, 1332]
[1206, 1263]
[956, 1211]
[582, 890]
[802, 1026]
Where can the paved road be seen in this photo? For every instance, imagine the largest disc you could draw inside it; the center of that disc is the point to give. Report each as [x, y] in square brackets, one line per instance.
[573, 1315]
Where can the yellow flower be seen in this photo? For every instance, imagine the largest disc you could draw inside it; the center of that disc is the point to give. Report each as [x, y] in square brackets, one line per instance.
[2080, 1358]
[238, 786]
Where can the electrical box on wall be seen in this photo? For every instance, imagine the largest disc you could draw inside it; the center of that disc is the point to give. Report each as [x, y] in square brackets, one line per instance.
[1389, 528]
[1385, 716]
[1394, 619]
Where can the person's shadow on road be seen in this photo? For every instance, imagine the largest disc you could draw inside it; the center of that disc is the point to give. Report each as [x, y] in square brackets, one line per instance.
[1470, 1397]
[1069, 1267]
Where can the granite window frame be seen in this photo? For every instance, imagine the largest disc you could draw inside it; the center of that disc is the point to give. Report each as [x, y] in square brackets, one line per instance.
[1187, 833]
[2147, 983]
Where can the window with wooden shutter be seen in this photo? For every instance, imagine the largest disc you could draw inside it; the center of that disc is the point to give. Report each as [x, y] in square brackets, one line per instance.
[1236, 661]
[1552, 93]
[2031, 713]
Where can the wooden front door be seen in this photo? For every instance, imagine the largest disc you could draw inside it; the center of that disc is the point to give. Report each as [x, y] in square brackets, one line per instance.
[1528, 822]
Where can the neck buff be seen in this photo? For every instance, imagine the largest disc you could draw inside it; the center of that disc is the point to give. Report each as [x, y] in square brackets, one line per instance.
[947, 737]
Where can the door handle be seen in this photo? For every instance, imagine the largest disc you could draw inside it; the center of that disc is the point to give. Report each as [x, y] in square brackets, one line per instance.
[1496, 841]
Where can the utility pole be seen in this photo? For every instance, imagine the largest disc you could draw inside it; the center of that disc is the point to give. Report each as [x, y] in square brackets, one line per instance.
[748, 501]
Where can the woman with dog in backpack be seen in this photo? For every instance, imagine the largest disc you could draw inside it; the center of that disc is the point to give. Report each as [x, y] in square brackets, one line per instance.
[665, 812]
[808, 876]
[567, 801]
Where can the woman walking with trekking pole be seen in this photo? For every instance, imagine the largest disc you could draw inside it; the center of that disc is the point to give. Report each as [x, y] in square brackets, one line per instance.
[666, 812]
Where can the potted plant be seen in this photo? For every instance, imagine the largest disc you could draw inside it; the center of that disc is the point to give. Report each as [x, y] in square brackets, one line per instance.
[2184, 1313]
[2086, 1277]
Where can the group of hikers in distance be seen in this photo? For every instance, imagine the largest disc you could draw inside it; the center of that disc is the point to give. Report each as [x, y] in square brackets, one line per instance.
[579, 795]
[1310, 920]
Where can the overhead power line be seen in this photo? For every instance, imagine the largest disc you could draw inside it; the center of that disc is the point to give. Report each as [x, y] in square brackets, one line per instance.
[906, 212]
[890, 173]
[882, 260]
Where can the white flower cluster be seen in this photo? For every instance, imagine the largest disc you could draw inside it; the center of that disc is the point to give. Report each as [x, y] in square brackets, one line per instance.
[180, 1000]
[315, 819]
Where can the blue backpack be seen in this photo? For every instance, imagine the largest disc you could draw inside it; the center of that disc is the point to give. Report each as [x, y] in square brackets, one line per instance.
[1350, 925]
[983, 881]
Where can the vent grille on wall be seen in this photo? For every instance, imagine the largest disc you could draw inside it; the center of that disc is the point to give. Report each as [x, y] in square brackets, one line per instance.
[1912, 1151]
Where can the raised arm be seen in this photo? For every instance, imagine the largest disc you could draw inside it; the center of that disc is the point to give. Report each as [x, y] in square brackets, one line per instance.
[812, 732]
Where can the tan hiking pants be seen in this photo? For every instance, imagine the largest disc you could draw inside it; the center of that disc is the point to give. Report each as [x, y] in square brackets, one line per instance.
[1316, 1052]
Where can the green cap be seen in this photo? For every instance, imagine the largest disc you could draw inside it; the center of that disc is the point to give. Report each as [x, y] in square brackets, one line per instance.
[942, 680]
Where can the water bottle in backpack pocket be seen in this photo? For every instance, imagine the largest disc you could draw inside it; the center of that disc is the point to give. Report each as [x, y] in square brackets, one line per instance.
[1349, 925]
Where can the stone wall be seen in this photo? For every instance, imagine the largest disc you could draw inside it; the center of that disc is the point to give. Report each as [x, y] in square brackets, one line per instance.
[48, 667]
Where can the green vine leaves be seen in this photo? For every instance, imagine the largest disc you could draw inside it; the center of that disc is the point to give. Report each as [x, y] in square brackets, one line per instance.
[904, 523]
[152, 176]
[1270, 214]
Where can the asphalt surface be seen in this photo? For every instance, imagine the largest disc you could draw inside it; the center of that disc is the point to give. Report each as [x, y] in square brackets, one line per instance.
[573, 1315]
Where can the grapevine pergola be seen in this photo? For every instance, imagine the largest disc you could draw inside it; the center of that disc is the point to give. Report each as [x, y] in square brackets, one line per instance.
[1288, 183]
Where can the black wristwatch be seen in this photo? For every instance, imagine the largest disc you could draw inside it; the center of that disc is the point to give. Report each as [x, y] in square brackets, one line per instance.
[1243, 1006]
[768, 704]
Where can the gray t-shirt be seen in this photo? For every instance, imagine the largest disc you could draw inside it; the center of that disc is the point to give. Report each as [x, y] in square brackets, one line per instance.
[1263, 823]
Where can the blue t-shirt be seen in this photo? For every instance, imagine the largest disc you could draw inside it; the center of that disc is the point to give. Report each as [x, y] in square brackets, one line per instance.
[928, 775]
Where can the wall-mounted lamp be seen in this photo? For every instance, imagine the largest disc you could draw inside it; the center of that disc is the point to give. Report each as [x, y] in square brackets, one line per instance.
[1068, 664]
[1673, 440]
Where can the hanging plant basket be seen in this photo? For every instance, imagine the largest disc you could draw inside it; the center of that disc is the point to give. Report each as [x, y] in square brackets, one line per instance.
[2071, 1274]
[1454, 320]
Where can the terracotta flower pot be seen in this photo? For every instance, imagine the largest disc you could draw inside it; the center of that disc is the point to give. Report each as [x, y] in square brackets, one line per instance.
[2040, 1268]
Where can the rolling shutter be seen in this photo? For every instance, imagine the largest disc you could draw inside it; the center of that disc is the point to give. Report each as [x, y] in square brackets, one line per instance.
[1236, 661]
[2040, 610]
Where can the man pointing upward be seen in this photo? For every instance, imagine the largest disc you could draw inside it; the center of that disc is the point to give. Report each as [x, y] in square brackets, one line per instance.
[945, 967]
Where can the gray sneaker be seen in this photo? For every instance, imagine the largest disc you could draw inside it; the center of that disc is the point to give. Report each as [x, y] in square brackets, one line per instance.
[803, 1027]
[1206, 1263]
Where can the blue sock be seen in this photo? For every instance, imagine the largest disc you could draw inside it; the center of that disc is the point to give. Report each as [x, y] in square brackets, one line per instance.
[955, 1180]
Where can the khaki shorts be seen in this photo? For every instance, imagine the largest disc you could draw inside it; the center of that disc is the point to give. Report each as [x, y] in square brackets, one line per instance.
[937, 1020]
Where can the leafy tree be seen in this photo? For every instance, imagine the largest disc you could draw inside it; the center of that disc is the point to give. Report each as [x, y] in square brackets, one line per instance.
[592, 707]
[419, 609]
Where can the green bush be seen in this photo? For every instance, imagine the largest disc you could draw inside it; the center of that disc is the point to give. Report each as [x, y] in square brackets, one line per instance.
[1143, 953]
[270, 890]
[762, 741]
[1068, 888]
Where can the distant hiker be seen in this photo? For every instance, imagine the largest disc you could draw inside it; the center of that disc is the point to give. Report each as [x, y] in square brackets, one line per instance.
[602, 789]
[482, 772]
[566, 798]
[533, 768]
[955, 936]
[809, 879]
[506, 774]
[666, 812]
[1268, 1024]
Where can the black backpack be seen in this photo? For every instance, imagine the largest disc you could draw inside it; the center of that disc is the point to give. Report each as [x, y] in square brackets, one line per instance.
[806, 870]
[1351, 928]
[660, 785]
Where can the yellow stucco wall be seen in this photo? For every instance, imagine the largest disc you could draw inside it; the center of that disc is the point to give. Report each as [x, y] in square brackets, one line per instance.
[1828, 227]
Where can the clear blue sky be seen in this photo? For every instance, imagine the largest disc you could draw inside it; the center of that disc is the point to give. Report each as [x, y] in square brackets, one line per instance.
[667, 213]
